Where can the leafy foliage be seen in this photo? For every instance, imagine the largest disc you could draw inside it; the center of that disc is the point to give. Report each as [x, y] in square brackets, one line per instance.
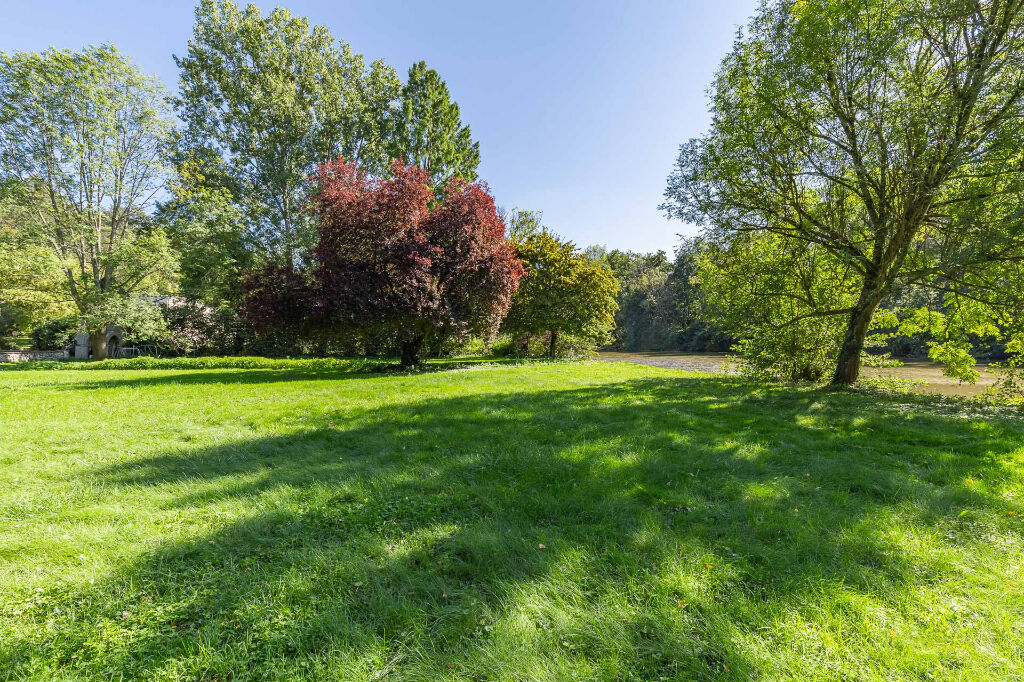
[694, 328]
[243, 362]
[82, 138]
[645, 316]
[267, 98]
[391, 259]
[1009, 385]
[883, 137]
[277, 296]
[428, 131]
[56, 334]
[660, 302]
[206, 229]
[563, 291]
[32, 285]
[140, 319]
[772, 295]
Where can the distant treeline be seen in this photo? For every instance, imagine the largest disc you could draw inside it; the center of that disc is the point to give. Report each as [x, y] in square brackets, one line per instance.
[660, 302]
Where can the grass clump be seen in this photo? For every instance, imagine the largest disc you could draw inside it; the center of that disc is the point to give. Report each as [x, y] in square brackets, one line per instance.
[530, 522]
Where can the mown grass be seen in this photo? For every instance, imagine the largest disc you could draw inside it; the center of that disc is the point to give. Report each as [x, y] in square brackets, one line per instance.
[531, 522]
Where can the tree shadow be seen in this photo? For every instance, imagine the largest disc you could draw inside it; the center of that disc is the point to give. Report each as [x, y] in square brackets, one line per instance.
[631, 530]
[212, 377]
[186, 377]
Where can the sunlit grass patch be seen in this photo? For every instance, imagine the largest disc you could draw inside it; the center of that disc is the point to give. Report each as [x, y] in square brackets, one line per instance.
[530, 521]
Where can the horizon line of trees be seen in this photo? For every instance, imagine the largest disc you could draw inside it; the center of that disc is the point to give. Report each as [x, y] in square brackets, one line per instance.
[861, 187]
[114, 193]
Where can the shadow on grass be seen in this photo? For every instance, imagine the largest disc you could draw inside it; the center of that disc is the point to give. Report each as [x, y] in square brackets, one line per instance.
[631, 530]
[227, 374]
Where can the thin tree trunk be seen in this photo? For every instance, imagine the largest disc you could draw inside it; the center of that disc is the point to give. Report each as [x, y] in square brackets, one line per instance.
[289, 257]
[411, 351]
[848, 363]
[98, 339]
[554, 341]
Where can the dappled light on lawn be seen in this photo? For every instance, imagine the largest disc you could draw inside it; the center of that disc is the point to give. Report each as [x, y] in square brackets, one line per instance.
[531, 522]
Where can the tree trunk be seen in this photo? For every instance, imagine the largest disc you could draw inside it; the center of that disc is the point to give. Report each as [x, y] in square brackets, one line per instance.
[98, 340]
[289, 258]
[411, 351]
[848, 363]
[525, 345]
[554, 340]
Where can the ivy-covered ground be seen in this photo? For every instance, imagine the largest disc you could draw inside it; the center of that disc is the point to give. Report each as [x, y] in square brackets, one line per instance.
[290, 520]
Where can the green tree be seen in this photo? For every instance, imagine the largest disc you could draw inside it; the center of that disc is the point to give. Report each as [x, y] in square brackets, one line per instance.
[776, 297]
[645, 318]
[693, 328]
[82, 138]
[661, 304]
[563, 292]
[428, 130]
[26, 268]
[883, 137]
[267, 98]
[206, 228]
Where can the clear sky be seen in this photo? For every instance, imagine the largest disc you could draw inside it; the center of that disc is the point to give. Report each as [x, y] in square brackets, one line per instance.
[579, 107]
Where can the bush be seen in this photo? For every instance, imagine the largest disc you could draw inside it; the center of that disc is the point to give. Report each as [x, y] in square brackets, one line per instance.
[191, 328]
[12, 320]
[56, 334]
[245, 362]
[1009, 386]
[891, 385]
[537, 345]
[197, 329]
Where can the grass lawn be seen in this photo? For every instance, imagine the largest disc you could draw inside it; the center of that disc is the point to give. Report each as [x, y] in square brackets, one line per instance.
[522, 522]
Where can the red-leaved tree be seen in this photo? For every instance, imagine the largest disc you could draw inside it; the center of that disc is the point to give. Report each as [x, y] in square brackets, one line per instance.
[278, 296]
[393, 258]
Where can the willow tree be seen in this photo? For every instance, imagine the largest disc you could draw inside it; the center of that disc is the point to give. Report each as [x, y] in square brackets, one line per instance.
[884, 136]
[82, 142]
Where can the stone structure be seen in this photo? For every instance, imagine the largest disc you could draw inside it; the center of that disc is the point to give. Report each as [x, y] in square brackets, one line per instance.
[31, 355]
[83, 343]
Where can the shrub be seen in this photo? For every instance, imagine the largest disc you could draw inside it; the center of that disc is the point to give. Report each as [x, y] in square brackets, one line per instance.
[197, 329]
[56, 334]
[211, 362]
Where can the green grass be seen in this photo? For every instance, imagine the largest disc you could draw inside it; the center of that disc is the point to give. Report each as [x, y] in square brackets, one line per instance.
[530, 522]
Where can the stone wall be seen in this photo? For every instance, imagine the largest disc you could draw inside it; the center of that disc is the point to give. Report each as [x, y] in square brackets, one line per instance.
[30, 355]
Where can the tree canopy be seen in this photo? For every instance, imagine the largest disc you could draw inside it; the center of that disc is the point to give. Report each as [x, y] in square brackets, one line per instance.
[645, 319]
[428, 130]
[392, 258]
[264, 100]
[563, 291]
[869, 146]
[82, 142]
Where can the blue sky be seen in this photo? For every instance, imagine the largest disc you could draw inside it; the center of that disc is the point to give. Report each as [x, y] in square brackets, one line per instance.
[579, 107]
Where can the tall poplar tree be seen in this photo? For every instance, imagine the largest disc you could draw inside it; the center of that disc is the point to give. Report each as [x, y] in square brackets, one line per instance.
[267, 98]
